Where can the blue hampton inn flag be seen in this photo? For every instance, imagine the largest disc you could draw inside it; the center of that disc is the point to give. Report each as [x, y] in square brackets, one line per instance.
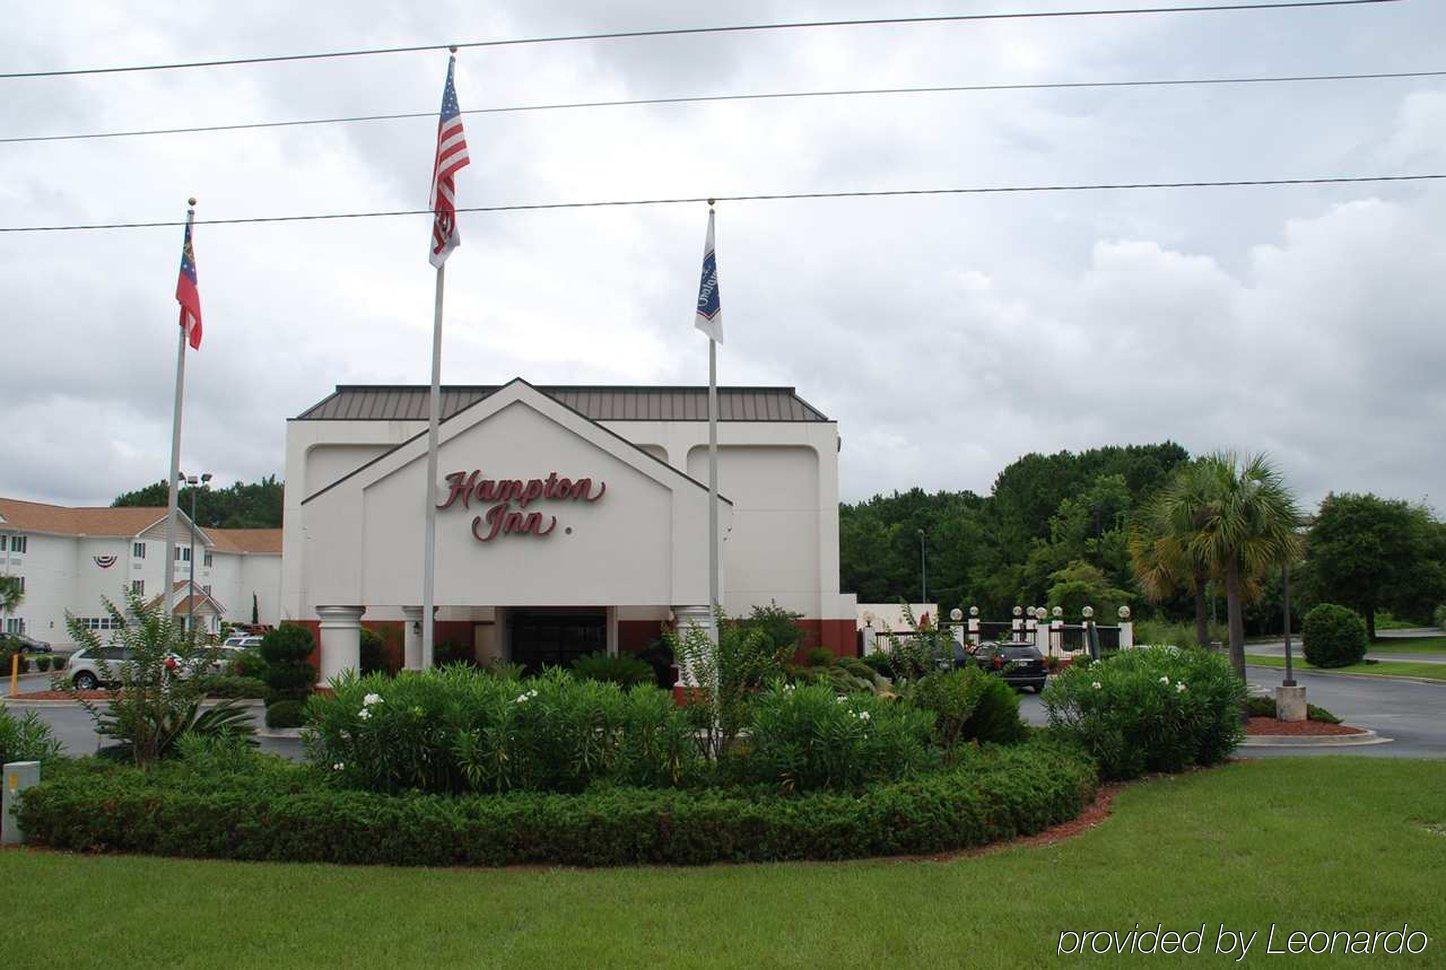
[710, 308]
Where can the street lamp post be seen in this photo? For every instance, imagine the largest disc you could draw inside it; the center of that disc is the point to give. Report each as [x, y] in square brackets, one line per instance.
[923, 571]
[1285, 594]
[195, 484]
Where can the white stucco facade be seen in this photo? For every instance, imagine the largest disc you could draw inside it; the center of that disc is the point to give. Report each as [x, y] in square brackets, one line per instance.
[607, 517]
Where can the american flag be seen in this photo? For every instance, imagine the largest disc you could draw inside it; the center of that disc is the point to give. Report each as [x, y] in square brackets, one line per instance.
[451, 156]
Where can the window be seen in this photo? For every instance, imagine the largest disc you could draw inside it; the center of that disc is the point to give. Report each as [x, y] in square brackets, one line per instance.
[18, 543]
[21, 581]
[15, 624]
[4, 537]
[138, 550]
[183, 554]
[206, 561]
[138, 586]
[99, 623]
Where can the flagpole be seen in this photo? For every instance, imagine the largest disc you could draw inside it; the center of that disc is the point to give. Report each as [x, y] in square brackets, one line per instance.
[172, 498]
[713, 570]
[434, 409]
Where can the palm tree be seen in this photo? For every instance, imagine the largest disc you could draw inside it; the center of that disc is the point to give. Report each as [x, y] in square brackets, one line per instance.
[1159, 554]
[1242, 520]
[11, 594]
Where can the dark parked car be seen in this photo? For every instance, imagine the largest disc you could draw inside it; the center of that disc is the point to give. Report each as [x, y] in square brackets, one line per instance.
[20, 643]
[1020, 664]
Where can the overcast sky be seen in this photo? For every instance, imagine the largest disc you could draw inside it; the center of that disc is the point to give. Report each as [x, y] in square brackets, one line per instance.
[947, 335]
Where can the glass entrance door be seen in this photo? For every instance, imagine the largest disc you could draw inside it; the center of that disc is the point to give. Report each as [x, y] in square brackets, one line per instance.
[555, 638]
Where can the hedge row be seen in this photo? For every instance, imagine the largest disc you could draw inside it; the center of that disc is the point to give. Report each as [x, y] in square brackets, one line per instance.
[996, 793]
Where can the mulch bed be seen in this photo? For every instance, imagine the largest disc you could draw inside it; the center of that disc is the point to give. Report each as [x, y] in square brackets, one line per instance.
[1269, 725]
[60, 695]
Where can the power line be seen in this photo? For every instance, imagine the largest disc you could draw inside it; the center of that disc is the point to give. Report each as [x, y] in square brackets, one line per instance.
[713, 98]
[769, 197]
[683, 31]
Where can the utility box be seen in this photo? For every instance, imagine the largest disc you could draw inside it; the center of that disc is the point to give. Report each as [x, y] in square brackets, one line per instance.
[18, 776]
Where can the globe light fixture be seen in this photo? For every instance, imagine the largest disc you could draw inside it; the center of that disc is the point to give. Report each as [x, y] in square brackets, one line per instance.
[1088, 612]
[1018, 610]
[956, 614]
[974, 611]
[1058, 612]
[1124, 612]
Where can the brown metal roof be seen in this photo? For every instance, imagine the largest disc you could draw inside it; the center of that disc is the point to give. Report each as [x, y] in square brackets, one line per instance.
[365, 402]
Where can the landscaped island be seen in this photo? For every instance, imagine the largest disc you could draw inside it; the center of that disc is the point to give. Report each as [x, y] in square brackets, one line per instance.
[466, 766]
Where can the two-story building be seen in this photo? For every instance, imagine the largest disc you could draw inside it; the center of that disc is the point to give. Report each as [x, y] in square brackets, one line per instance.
[571, 519]
[73, 559]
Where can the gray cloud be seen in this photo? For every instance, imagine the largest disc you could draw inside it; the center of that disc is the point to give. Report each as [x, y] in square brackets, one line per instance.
[947, 335]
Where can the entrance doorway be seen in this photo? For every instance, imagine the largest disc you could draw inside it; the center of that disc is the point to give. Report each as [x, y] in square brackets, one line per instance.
[556, 637]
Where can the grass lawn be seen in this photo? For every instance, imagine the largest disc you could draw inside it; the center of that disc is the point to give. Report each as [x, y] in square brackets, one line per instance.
[1308, 844]
[1408, 645]
[1386, 668]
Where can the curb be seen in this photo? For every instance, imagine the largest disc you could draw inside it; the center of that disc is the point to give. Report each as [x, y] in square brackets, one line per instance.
[279, 734]
[1313, 740]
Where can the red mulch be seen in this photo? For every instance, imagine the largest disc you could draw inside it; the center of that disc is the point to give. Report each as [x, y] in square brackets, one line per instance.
[1269, 725]
[60, 695]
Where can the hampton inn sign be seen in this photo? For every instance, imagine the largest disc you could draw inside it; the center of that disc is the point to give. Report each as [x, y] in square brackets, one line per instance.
[605, 482]
[500, 519]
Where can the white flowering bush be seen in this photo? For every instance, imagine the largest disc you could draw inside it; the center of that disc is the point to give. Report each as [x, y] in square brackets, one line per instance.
[454, 729]
[1150, 709]
[806, 737]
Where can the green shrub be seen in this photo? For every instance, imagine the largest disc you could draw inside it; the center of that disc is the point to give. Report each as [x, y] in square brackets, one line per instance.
[285, 713]
[258, 807]
[805, 738]
[1440, 616]
[953, 696]
[996, 718]
[819, 657]
[1265, 707]
[880, 663]
[623, 670]
[42, 662]
[779, 626]
[1161, 632]
[26, 738]
[455, 729]
[371, 658]
[286, 651]
[451, 652]
[1333, 636]
[1149, 709]
[248, 663]
[57, 661]
[505, 670]
[225, 685]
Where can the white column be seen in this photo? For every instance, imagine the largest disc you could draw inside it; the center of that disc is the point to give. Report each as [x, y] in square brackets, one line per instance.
[412, 637]
[693, 616]
[1056, 634]
[340, 639]
[974, 625]
[1127, 634]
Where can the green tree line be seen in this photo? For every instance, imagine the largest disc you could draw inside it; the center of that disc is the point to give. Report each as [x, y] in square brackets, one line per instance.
[255, 505]
[1056, 529]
